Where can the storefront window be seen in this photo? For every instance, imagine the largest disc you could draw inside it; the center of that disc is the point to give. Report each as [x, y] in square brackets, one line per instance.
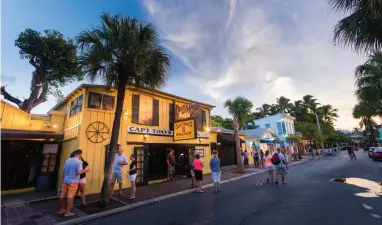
[100, 101]
[145, 110]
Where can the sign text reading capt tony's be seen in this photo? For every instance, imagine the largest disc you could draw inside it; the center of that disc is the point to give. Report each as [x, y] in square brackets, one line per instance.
[184, 130]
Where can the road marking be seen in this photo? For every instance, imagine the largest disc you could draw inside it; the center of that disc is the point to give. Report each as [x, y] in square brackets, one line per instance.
[375, 215]
[367, 207]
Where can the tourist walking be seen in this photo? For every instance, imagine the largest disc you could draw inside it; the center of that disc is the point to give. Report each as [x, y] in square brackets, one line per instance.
[245, 154]
[82, 184]
[278, 160]
[133, 176]
[119, 161]
[215, 170]
[269, 166]
[170, 165]
[72, 171]
[261, 159]
[198, 170]
[191, 162]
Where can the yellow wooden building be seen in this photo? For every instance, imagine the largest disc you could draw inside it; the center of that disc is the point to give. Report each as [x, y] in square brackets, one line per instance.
[83, 120]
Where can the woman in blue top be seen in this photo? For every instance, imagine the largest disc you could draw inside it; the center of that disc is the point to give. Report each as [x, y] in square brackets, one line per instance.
[215, 169]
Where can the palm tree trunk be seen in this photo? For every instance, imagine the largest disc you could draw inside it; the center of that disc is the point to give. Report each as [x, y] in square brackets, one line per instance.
[105, 192]
[238, 147]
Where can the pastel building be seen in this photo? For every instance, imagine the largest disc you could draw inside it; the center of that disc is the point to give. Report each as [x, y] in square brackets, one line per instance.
[282, 124]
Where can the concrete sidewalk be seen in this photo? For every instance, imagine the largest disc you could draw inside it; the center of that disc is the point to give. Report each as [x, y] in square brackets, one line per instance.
[44, 212]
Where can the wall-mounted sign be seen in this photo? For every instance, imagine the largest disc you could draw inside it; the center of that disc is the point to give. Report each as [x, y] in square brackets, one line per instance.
[153, 131]
[185, 130]
[76, 105]
[187, 111]
[200, 152]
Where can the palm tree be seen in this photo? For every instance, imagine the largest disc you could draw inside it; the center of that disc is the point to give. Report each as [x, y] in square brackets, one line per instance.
[283, 104]
[299, 111]
[310, 103]
[264, 110]
[365, 112]
[122, 51]
[369, 79]
[328, 113]
[362, 28]
[274, 109]
[239, 108]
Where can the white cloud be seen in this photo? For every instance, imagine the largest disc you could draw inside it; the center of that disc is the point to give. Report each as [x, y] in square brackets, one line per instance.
[258, 49]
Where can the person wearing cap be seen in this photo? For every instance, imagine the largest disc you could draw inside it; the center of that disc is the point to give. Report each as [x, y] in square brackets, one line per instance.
[215, 169]
[281, 168]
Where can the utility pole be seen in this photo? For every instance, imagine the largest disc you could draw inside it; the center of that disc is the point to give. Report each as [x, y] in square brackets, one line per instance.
[319, 130]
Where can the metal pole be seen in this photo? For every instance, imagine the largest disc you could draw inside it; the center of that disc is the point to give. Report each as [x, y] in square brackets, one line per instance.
[319, 130]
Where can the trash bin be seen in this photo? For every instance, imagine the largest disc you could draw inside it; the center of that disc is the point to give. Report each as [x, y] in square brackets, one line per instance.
[43, 182]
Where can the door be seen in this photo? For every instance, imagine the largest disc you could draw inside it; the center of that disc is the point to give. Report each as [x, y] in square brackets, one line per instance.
[142, 157]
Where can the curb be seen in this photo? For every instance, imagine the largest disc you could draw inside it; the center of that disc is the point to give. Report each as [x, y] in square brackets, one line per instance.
[159, 199]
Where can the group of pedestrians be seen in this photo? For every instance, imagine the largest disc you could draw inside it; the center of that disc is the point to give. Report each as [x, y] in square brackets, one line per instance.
[258, 158]
[74, 179]
[196, 167]
[277, 162]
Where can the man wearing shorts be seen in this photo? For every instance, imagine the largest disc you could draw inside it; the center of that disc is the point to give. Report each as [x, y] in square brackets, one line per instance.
[171, 165]
[281, 167]
[119, 161]
[215, 170]
[71, 178]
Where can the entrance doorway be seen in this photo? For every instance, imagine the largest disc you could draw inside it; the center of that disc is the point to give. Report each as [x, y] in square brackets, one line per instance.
[157, 163]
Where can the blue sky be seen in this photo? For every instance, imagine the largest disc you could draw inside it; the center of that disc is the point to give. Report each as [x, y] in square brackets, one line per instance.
[219, 48]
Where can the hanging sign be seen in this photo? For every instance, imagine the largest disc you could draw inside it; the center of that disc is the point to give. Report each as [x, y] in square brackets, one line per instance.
[185, 130]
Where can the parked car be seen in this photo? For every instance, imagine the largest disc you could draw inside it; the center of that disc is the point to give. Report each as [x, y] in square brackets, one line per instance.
[371, 151]
[377, 154]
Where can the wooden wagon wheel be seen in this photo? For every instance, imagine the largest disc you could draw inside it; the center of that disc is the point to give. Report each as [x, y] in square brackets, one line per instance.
[97, 132]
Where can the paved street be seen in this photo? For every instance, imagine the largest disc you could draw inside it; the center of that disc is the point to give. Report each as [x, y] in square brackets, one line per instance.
[308, 198]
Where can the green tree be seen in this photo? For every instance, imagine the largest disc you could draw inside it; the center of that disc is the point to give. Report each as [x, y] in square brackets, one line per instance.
[122, 51]
[54, 61]
[227, 123]
[365, 112]
[310, 103]
[328, 113]
[299, 111]
[274, 109]
[263, 110]
[361, 29]
[284, 104]
[240, 108]
[369, 79]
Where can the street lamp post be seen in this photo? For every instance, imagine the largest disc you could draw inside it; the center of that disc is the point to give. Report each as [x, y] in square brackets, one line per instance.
[319, 130]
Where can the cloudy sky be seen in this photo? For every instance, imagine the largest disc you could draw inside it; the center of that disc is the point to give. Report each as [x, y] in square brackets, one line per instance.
[260, 49]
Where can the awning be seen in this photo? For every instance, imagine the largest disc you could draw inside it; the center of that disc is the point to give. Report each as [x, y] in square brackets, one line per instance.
[27, 134]
[267, 141]
[228, 139]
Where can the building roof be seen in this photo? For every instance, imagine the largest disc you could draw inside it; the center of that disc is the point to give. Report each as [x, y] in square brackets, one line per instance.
[278, 114]
[255, 133]
[223, 130]
[66, 98]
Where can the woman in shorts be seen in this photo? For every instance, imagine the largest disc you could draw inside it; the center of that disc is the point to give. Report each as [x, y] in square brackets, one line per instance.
[198, 170]
[269, 166]
[133, 176]
[82, 184]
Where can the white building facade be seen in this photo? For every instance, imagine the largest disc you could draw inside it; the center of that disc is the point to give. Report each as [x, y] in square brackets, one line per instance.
[281, 123]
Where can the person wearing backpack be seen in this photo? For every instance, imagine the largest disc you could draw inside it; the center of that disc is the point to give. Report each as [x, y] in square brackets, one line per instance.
[278, 160]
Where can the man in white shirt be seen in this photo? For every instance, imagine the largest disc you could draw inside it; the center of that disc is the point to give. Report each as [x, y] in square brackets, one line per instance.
[281, 168]
[119, 161]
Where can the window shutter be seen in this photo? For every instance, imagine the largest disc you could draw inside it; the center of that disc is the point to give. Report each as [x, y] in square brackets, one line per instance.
[156, 112]
[171, 116]
[204, 119]
[135, 114]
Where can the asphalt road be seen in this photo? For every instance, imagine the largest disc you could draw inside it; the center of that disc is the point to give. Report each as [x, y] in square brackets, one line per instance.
[309, 197]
